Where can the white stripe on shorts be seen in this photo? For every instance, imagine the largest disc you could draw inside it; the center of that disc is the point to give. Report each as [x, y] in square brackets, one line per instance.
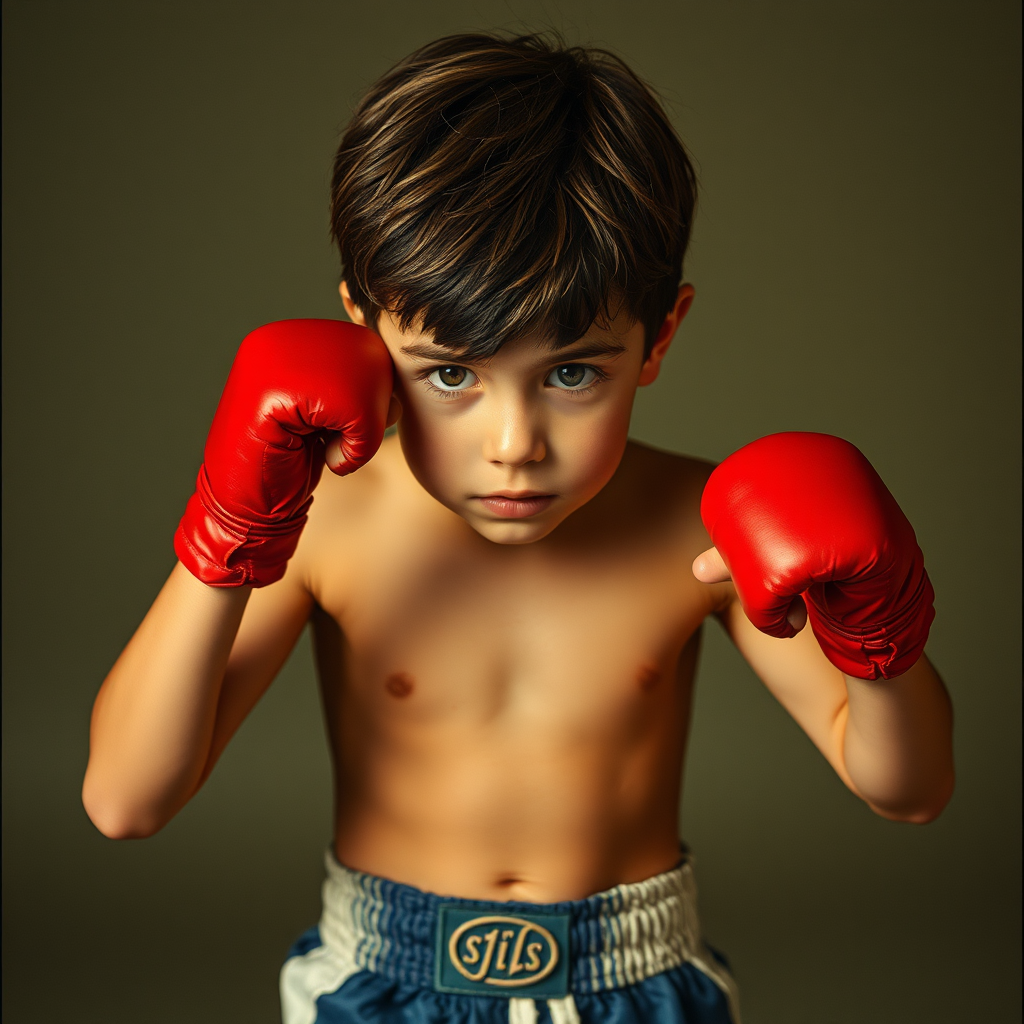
[304, 979]
[522, 1011]
[652, 926]
[563, 1011]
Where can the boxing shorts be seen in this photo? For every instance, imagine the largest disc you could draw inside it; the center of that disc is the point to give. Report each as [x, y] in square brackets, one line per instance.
[386, 952]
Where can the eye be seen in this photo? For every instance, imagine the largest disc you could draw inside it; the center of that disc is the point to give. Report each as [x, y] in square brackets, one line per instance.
[452, 378]
[572, 377]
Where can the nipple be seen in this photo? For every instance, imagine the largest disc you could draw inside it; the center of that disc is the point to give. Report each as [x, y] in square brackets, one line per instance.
[647, 678]
[399, 684]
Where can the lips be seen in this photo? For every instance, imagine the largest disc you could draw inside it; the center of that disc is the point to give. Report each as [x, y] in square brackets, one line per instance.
[515, 504]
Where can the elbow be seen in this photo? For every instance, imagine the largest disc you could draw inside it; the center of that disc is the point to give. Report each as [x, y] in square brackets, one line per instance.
[918, 816]
[117, 819]
[119, 823]
[922, 811]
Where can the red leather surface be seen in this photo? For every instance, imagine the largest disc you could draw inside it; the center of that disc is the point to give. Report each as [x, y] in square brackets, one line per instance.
[806, 514]
[293, 385]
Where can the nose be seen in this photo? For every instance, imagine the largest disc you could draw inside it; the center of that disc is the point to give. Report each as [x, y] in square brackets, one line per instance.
[515, 435]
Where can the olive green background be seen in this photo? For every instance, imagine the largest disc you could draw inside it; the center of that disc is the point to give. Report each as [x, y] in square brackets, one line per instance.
[857, 265]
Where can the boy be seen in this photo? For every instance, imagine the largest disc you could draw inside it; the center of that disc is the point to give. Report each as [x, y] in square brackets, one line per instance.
[507, 596]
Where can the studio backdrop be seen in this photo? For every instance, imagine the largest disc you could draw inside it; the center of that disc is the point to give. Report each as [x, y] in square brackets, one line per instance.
[856, 261]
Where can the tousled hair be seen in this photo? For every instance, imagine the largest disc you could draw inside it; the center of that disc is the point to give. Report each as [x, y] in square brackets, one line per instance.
[488, 188]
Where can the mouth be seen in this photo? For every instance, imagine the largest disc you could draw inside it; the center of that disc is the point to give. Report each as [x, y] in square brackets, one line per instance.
[515, 504]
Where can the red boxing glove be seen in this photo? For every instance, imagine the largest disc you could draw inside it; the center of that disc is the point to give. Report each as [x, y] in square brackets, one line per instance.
[290, 383]
[802, 513]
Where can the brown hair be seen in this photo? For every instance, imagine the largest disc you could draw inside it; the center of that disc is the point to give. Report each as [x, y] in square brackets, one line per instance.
[491, 187]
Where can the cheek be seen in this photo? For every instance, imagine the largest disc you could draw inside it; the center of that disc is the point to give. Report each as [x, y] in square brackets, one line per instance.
[590, 447]
[434, 443]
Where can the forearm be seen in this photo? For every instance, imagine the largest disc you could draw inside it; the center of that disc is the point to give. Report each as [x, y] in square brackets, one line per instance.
[897, 743]
[154, 717]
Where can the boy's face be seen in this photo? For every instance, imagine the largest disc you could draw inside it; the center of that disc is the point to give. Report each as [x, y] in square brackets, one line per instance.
[518, 442]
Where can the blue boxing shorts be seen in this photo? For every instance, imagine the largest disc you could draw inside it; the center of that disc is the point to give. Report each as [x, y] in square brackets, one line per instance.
[386, 953]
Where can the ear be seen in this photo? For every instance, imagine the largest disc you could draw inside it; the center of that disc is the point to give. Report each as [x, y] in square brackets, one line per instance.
[652, 365]
[355, 314]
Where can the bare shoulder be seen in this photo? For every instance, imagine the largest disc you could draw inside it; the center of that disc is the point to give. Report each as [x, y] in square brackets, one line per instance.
[668, 489]
[667, 480]
[655, 495]
[669, 470]
[651, 516]
[343, 500]
[350, 514]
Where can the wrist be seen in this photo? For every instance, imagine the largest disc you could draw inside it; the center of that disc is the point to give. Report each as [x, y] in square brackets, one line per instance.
[222, 549]
[878, 635]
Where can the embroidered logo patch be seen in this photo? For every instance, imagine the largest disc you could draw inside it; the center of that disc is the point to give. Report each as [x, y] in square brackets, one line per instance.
[502, 954]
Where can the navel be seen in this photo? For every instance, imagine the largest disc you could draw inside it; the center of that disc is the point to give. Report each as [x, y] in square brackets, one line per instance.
[399, 684]
[647, 677]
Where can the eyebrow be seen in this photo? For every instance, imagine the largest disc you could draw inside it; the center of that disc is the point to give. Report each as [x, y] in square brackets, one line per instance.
[588, 350]
[424, 351]
[593, 348]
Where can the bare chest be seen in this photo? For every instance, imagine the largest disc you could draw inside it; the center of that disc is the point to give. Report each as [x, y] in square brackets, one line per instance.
[465, 640]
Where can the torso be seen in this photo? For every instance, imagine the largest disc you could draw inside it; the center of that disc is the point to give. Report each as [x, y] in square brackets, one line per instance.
[508, 722]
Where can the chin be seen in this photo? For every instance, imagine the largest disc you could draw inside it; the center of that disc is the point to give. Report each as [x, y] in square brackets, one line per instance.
[513, 531]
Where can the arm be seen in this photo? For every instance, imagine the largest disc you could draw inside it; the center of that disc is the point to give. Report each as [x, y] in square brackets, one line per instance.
[810, 537]
[300, 393]
[196, 666]
[889, 740]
